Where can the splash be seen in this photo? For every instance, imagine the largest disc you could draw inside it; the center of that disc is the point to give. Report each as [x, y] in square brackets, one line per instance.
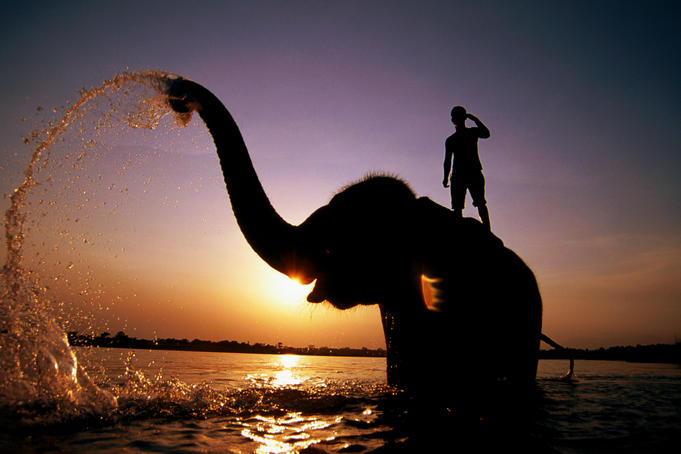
[40, 369]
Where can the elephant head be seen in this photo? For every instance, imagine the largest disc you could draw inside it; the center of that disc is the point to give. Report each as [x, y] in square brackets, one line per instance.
[375, 242]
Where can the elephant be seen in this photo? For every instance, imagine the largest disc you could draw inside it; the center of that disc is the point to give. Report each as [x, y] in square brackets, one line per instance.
[457, 306]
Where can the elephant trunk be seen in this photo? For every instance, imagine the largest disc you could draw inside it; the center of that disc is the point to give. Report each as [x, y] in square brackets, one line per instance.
[270, 236]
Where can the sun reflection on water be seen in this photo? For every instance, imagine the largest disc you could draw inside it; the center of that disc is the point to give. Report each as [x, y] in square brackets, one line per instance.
[293, 431]
[289, 433]
[286, 377]
[284, 371]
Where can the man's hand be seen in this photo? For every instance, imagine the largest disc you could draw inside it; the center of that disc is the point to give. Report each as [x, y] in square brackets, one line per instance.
[472, 117]
[445, 183]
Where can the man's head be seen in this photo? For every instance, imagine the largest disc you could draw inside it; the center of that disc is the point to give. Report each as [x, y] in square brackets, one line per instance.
[458, 115]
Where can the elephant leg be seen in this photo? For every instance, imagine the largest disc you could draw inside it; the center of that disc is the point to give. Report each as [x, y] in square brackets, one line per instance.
[393, 357]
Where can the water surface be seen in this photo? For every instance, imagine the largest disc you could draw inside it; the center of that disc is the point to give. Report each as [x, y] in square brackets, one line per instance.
[174, 401]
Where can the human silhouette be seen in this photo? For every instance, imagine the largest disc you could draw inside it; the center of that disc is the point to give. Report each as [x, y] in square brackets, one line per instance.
[466, 169]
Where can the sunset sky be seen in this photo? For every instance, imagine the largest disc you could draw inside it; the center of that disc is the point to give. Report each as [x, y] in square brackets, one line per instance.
[583, 100]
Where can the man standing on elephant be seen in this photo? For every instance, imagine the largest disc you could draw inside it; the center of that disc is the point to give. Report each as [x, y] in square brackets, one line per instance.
[467, 169]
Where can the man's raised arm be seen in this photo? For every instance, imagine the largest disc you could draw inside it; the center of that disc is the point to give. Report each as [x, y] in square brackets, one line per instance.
[483, 132]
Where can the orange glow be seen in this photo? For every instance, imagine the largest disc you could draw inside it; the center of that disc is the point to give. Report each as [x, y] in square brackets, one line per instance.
[430, 293]
[284, 290]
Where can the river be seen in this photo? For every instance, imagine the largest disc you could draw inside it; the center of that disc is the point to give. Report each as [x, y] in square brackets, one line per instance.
[174, 401]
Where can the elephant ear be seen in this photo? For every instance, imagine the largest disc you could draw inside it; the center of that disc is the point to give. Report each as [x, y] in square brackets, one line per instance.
[452, 253]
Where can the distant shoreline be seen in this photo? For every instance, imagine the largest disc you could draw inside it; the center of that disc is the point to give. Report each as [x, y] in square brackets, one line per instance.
[121, 340]
[657, 353]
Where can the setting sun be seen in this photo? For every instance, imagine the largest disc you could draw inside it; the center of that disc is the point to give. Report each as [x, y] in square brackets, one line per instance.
[283, 290]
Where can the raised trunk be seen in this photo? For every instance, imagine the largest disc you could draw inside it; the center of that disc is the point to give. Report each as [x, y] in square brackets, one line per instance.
[270, 236]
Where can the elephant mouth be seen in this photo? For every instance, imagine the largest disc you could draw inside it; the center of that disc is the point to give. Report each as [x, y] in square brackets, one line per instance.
[323, 291]
[317, 295]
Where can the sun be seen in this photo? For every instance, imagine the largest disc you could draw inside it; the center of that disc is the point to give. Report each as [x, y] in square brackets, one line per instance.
[287, 291]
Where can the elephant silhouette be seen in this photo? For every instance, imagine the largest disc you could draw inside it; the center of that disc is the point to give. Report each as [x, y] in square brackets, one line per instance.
[457, 306]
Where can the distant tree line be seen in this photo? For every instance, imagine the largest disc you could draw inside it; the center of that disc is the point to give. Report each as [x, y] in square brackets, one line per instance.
[658, 353]
[122, 340]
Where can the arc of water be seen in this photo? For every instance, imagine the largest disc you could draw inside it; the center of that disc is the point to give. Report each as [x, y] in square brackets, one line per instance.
[14, 217]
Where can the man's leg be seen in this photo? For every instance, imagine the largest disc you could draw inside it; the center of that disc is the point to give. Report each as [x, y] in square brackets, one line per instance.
[477, 188]
[457, 188]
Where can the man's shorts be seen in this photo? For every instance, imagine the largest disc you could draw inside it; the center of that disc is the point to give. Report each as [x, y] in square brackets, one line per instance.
[474, 182]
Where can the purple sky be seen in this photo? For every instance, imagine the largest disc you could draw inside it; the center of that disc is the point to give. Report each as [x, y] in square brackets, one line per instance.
[582, 98]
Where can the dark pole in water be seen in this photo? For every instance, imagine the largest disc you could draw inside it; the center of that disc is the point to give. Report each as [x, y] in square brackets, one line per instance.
[568, 376]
